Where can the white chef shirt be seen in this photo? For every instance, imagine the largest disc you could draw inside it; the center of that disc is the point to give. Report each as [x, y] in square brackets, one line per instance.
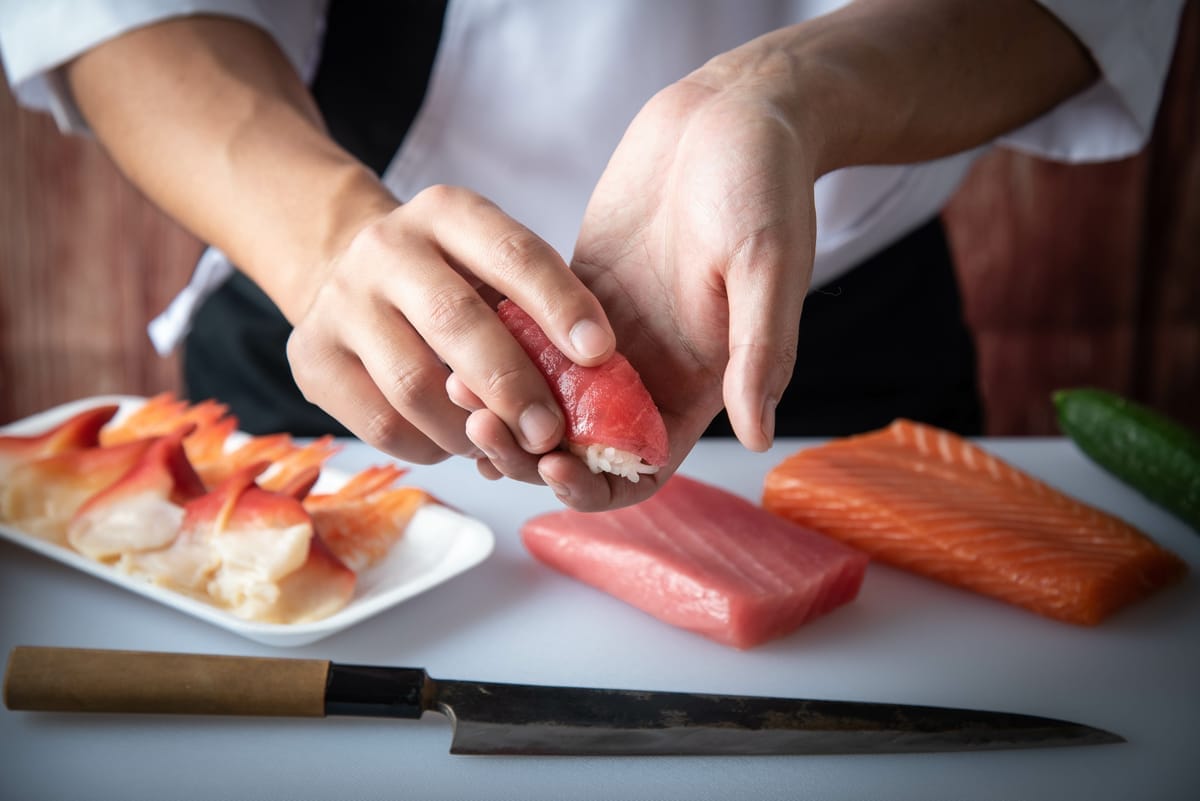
[527, 101]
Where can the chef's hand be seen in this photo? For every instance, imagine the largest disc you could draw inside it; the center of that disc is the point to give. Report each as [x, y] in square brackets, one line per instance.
[386, 299]
[409, 302]
[699, 240]
[700, 235]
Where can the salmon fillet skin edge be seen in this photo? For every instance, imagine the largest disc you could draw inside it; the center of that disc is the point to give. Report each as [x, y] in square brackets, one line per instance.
[929, 501]
[704, 559]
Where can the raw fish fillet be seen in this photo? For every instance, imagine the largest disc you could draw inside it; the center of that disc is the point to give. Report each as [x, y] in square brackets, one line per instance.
[928, 501]
[703, 559]
[606, 407]
[363, 520]
[79, 432]
[143, 509]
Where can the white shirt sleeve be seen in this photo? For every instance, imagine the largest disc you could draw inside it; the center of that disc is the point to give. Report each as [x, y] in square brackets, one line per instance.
[38, 36]
[1132, 42]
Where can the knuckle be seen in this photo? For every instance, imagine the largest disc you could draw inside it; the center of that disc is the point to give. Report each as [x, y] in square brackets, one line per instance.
[502, 381]
[388, 432]
[311, 362]
[410, 387]
[384, 430]
[515, 254]
[371, 246]
[436, 196]
[453, 313]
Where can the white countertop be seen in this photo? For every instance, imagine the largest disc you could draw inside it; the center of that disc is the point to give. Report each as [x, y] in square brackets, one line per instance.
[905, 639]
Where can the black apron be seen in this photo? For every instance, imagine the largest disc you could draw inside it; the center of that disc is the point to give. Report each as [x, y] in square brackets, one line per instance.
[886, 340]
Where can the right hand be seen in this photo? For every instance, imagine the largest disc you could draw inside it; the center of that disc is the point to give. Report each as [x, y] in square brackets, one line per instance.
[410, 303]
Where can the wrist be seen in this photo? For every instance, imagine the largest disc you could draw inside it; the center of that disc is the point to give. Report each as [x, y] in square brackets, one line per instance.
[788, 72]
[353, 199]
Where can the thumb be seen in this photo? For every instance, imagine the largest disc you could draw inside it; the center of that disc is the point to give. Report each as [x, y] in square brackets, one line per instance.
[765, 286]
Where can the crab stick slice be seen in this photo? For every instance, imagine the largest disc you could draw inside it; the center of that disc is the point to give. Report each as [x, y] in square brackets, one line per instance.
[161, 415]
[41, 496]
[188, 563]
[295, 468]
[364, 519]
[80, 431]
[143, 509]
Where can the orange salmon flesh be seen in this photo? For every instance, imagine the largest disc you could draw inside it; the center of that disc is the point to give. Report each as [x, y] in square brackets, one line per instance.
[928, 501]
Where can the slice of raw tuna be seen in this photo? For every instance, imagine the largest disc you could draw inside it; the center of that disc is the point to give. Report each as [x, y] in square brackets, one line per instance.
[612, 422]
[928, 501]
[703, 559]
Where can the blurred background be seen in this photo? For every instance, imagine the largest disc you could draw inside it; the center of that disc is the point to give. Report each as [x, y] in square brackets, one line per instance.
[1072, 275]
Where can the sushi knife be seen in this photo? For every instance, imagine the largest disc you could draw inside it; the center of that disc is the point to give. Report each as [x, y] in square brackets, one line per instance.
[491, 718]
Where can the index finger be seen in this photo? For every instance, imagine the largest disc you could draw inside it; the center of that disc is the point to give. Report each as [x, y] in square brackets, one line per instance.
[444, 306]
[519, 264]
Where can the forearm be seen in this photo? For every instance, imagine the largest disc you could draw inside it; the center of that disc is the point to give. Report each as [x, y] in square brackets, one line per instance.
[902, 81]
[207, 117]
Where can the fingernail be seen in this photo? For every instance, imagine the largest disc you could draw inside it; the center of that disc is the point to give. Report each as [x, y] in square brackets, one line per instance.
[589, 339]
[538, 426]
[768, 419]
[480, 452]
[561, 490]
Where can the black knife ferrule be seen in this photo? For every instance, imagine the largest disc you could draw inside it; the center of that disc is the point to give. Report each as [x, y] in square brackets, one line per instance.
[374, 691]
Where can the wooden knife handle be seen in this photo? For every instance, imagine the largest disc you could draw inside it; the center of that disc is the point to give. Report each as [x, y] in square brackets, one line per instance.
[83, 680]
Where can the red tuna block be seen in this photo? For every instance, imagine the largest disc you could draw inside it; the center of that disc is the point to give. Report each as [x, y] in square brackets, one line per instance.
[704, 559]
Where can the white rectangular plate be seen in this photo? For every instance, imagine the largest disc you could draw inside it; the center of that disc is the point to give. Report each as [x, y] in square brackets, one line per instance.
[439, 543]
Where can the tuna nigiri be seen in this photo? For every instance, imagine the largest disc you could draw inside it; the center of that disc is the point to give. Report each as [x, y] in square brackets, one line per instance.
[612, 422]
[703, 559]
[928, 501]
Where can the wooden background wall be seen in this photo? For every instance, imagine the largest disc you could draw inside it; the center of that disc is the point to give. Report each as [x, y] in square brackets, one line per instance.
[1073, 275]
[1089, 274]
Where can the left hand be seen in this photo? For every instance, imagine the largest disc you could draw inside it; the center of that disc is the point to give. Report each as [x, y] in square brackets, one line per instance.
[698, 241]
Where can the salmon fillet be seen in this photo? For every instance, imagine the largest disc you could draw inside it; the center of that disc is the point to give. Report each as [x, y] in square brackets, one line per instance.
[928, 501]
[703, 559]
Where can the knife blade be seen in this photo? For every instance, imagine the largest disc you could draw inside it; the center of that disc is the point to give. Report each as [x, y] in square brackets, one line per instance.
[496, 718]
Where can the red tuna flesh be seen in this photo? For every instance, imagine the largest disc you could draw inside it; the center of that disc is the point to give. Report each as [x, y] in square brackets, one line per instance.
[704, 559]
[604, 405]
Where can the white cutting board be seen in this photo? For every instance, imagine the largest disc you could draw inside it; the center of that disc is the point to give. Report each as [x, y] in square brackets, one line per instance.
[905, 639]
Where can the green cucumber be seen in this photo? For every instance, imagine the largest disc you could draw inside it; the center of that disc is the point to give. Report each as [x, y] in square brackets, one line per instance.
[1152, 453]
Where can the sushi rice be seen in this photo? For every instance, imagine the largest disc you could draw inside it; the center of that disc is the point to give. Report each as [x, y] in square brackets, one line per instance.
[607, 459]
